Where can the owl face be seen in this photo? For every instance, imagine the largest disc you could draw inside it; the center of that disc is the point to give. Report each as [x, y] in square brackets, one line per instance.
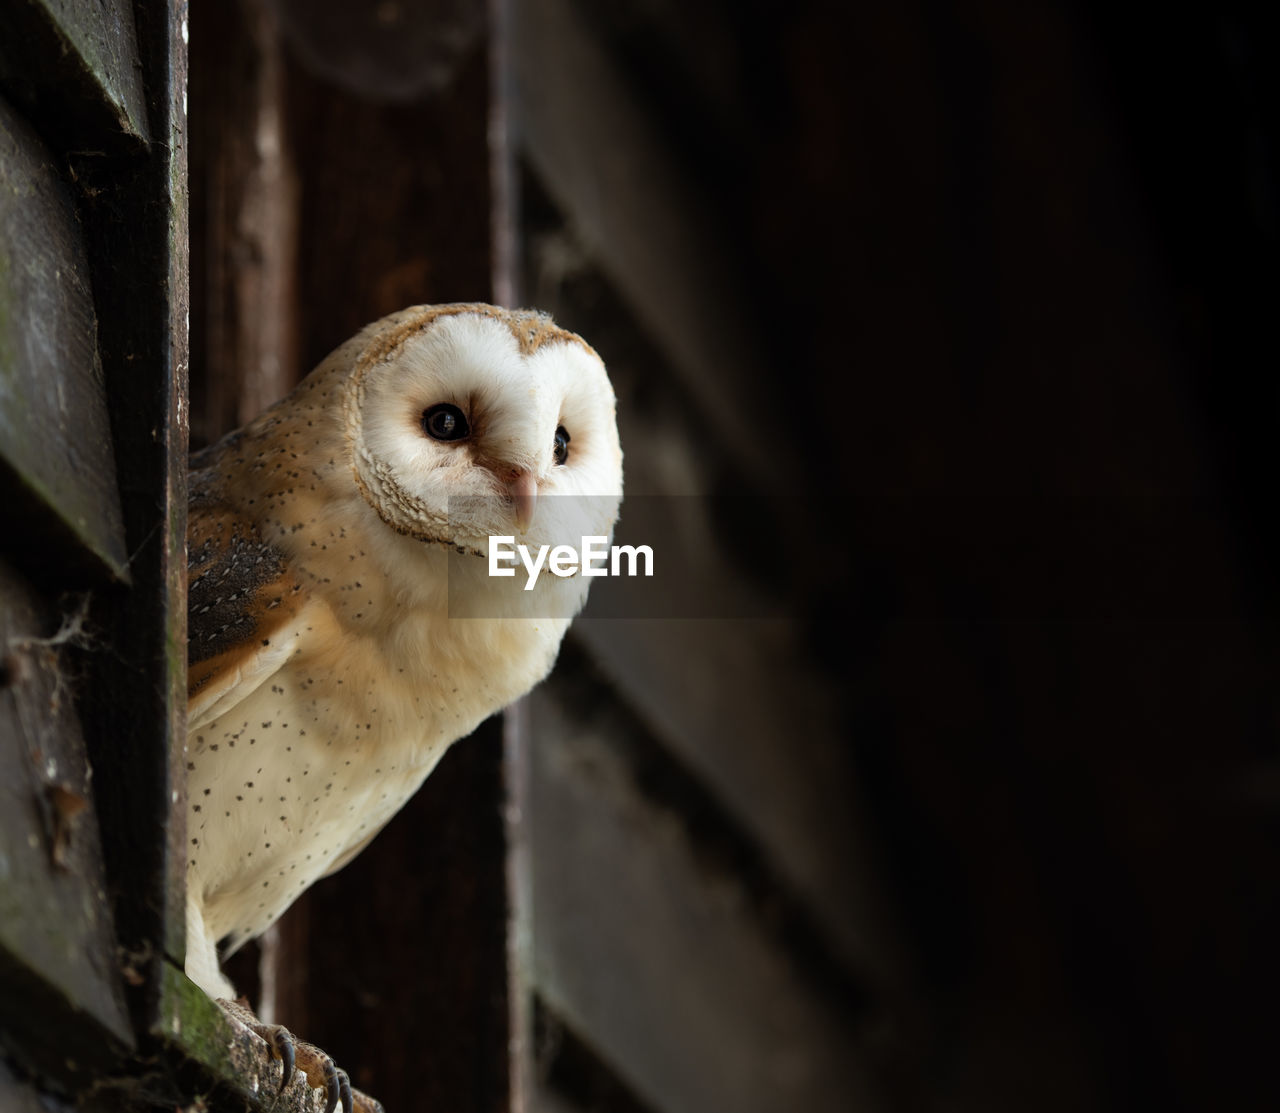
[475, 423]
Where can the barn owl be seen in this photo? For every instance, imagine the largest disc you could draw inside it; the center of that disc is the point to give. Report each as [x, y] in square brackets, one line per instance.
[330, 543]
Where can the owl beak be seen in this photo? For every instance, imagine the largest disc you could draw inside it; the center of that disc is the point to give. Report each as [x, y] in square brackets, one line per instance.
[524, 496]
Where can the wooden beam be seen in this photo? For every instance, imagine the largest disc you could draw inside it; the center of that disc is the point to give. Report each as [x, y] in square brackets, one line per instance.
[76, 68]
[245, 199]
[55, 439]
[63, 998]
[652, 953]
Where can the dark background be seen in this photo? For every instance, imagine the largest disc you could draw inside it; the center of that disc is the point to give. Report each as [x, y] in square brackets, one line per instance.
[973, 260]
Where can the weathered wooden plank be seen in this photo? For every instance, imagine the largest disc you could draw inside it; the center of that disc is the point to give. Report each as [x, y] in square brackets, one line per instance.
[21, 1095]
[398, 193]
[63, 1001]
[655, 954]
[383, 52]
[75, 68]
[734, 701]
[570, 1074]
[55, 439]
[134, 212]
[245, 203]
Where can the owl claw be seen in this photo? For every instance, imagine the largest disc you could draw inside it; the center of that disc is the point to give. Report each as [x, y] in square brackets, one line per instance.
[280, 1041]
[282, 1047]
[337, 1087]
[297, 1057]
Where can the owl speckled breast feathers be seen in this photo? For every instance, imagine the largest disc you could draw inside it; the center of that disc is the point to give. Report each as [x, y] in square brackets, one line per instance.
[326, 676]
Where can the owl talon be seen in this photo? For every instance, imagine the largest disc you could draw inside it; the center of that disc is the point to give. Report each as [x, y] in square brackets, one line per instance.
[318, 1070]
[282, 1047]
[279, 1040]
[321, 1071]
[337, 1087]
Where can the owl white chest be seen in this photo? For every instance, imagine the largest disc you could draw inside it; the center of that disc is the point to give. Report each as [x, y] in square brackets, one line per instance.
[289, 783]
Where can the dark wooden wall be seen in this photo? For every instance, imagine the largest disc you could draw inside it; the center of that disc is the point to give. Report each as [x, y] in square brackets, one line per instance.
[984, 290]
[93, 278]
[971, 810]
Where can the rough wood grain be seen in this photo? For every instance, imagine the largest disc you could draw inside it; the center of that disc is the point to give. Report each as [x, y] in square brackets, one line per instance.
[652, 953]
[244, 208]
[62, 1000]
[17, 1095]
[734, 701]
[134, 213]
[75, 68]
[55, 440]
[383, 52]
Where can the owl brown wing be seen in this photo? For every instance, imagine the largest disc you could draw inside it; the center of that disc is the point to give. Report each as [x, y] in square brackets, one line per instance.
[242, 605]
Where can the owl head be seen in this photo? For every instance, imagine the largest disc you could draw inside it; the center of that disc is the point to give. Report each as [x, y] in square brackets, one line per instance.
[468, 422]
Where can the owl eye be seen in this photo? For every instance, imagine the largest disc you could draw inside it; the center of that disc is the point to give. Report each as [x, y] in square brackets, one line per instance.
[445, 422]
[562, 444]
